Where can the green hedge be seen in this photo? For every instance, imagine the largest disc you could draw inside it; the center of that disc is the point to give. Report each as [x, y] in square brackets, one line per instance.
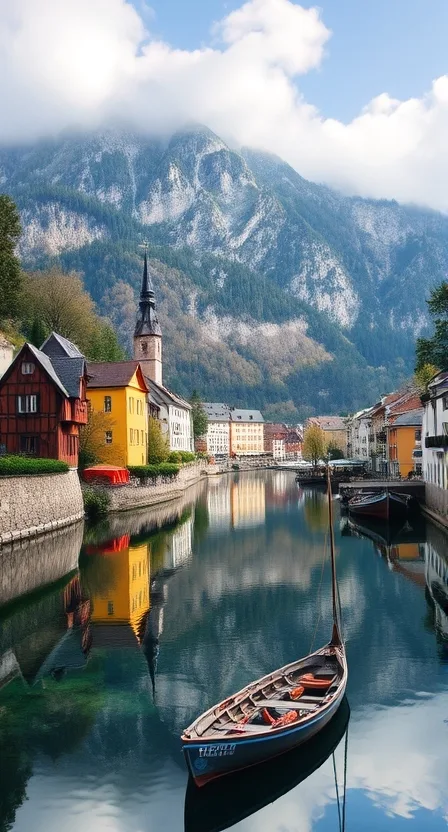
[144, 472]
[187, 456]
[18, 465]
[96, 502]
[175, 457]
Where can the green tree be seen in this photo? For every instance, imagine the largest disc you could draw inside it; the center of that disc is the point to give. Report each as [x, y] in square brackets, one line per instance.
[334, 451]
[92, 444]
[37, 333]
[435, 350]
[103, 345]
[424, 375]
[60, 302]
[314, 444]
[199, 416]
[10, 273]
[158, 447]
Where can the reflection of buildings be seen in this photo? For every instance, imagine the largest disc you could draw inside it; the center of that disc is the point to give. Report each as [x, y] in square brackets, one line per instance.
[179, 545]
[125, 600]
[218, 502]
[248, 502]
[436, 572]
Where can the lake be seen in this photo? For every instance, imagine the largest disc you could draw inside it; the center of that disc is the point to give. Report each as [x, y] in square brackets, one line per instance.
[172, 609]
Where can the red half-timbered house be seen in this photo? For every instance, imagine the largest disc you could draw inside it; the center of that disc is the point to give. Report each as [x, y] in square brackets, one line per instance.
[42, 405]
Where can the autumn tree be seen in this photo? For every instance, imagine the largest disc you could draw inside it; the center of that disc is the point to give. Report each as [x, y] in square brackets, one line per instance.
[92, 440]
[423, 376]
[199, 416]
[434, 350]
[10, 273]
[314, 444]
[158, 446]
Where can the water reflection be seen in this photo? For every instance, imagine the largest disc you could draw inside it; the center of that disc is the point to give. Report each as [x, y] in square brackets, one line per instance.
[171, 610]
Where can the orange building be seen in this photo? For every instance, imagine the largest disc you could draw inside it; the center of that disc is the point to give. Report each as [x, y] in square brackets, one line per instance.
[404, 439]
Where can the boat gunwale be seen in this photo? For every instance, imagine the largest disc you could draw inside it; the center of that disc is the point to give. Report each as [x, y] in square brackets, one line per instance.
[270, 731]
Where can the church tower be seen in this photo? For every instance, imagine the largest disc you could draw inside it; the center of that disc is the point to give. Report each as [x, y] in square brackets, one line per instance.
[147, 334]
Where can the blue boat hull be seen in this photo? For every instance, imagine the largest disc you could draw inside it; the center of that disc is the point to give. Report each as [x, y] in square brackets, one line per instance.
[208, 760]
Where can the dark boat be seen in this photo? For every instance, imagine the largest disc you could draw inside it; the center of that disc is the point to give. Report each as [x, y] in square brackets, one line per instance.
[385, 505]
[229, 800]
[275, 713]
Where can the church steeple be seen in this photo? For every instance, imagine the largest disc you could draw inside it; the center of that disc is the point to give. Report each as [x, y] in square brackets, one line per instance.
[147, 333]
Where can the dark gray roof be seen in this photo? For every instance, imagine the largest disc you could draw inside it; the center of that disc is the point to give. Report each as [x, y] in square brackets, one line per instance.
[56, 346]
[238, 415]
[110, 373]
[165, 397]
[70, 371]
[216, 411]
[48, 367]
[147, 320]
[413, 418]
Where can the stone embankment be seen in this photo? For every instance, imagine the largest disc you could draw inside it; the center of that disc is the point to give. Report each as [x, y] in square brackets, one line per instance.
[126, 497]
[32, 505]
[436, 503]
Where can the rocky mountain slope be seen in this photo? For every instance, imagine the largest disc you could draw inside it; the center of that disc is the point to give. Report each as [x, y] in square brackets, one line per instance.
[303, 295]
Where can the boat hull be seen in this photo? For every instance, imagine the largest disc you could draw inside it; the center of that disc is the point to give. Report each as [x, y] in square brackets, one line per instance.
[209, 760]
[383, 507]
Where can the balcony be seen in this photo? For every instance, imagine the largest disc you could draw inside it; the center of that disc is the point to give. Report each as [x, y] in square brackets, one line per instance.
[436, 441]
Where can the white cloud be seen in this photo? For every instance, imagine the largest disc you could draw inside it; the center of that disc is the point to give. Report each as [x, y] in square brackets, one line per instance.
[79, 62]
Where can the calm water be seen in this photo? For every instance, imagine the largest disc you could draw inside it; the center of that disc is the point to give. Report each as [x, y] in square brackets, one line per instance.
[172, 610]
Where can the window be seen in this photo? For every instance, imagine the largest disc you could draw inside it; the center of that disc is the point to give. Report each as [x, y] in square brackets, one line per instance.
[108, 437]
[28, 368]
[142, 437]
[27, 404]
[445, 403]
[107, 404]
[418, 436]
[144, 347]
[28, 444]
[131, 435]
[110, 607]
[131, 404]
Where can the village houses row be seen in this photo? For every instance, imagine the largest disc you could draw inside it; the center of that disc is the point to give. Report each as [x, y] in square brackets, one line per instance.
[232, 432]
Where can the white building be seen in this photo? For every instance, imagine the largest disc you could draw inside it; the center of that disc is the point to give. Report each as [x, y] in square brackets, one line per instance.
[6, 354]
[435, 444]
[278, 449]
[359, 430]
[218, 428]
[174, 412]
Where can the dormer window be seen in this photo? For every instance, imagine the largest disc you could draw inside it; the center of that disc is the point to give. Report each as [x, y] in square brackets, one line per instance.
[28, 368]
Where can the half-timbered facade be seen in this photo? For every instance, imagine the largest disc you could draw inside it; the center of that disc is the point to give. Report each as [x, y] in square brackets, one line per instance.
[42, 405]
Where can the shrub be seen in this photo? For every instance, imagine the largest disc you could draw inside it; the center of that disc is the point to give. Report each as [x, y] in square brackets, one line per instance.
[187, 456]
[175, 457]
[96, 502]
[144, 472]
[18, 465]
[235, 467]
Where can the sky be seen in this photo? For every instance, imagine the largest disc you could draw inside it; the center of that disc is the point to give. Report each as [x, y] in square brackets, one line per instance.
[353, 93]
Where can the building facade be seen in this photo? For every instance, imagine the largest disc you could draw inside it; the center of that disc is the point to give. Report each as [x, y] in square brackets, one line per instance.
[404, 444]
[246, 432]
[359, 430]
[173, 412]
[335, 429]
[435, 446]
[217, 437]
[43, 404]
[119, 388]
[275, 435]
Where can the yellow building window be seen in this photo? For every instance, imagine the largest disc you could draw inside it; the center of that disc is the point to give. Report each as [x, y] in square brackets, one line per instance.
[107, 404]
[108, 437]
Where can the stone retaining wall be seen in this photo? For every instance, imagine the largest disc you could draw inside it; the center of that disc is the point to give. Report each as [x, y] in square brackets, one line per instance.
[126, 497]
[436, 500]
[31, 505]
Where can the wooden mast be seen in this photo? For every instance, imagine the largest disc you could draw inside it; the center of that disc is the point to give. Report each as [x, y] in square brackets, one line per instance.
[336, 636]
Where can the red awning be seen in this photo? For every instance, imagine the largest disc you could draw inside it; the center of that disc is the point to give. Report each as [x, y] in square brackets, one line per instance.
[109, 474]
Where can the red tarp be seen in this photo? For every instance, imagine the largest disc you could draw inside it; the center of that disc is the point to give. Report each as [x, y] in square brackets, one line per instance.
[109, 474]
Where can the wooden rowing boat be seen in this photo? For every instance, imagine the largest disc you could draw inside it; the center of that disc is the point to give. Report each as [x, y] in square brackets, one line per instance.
[231, 799]
[275, 713]
[385, 505]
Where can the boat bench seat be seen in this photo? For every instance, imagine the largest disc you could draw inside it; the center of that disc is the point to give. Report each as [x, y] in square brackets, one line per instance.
[286, 704]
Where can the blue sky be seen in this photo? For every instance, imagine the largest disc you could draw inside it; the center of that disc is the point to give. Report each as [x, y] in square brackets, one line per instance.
[394, 46]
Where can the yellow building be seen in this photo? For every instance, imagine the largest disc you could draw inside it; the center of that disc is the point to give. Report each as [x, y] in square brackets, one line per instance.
[126, 599]
[119, 388]
[246, 432]
[405, 443]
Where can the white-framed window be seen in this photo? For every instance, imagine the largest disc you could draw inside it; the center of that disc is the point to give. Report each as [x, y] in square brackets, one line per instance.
[28, 368]
[108, 437]
[107, 404]
[27, 404]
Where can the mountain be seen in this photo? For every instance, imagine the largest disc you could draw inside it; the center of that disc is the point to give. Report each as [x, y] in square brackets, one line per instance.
[273, 290]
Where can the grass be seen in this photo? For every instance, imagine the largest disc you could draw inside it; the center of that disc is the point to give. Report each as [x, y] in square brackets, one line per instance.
[30, 466]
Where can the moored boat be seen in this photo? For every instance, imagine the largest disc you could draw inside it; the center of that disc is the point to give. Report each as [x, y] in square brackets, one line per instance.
[385, 505]
[275, 713]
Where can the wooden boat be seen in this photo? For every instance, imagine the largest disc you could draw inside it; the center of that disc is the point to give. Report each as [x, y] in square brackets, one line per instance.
[275, 713]
[231, 799]
[385, 505]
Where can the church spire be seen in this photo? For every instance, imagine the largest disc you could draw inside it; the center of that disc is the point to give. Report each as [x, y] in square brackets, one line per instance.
[147, 321]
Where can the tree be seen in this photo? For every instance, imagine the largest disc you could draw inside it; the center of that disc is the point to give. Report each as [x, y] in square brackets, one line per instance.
[92, 444]
[334, 451]
[435, 350]
[103, 344]
[314, 444]
[61, 303]
[37, 333]
[158, 447]
[424, 375]
[10, 272]
[199, 416]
